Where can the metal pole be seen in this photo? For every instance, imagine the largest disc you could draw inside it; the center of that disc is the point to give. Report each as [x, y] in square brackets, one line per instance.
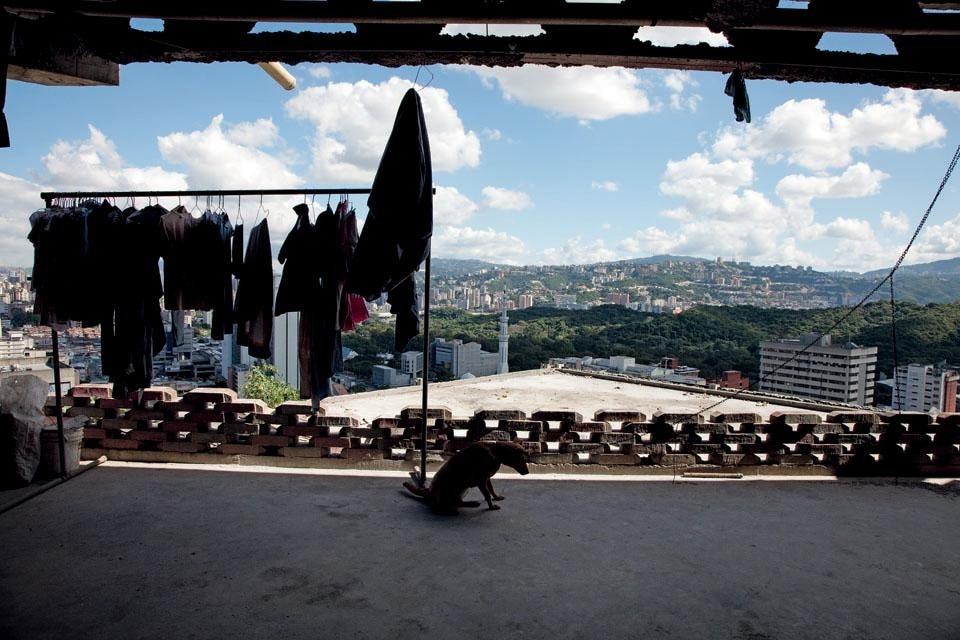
[426, 367]
[59, 402]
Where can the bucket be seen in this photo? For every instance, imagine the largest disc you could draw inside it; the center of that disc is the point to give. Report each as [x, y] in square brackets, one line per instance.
[50, 450]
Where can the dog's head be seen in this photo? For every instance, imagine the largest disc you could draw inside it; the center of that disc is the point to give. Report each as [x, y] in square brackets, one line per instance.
[512, 455]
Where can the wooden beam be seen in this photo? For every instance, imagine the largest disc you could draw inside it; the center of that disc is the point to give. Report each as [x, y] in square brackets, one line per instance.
[676, 14]
[292, 48]
[45, 53]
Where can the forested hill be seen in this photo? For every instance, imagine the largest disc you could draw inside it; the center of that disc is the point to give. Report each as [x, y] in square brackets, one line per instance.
[710, 338]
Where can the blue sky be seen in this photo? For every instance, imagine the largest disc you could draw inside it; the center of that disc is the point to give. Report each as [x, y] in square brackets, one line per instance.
[532, 165]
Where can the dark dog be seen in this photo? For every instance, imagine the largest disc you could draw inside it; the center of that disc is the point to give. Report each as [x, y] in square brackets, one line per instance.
[471, 467]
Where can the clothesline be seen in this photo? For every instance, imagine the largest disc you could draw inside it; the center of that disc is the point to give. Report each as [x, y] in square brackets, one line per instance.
[50, 196]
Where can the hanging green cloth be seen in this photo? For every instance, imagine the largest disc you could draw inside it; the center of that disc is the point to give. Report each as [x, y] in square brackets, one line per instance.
[737, 89]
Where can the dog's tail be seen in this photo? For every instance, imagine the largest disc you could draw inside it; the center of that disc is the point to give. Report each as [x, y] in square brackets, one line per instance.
[419, 493]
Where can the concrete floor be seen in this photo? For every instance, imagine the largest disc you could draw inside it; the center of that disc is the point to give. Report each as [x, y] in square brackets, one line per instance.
[122, 552]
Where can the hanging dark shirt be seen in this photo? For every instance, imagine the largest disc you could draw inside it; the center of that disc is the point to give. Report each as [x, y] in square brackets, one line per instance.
[254, 300]
[396, 234]
[301, 256]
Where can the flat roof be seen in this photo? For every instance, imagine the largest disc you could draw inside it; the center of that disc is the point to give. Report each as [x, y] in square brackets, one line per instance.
[545, 389]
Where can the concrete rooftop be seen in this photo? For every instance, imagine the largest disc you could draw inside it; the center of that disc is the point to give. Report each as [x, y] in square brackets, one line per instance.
[166, 551]
[551, 389]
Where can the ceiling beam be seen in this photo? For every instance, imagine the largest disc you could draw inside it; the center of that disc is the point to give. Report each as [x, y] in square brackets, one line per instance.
[664, 13]
[292, 48]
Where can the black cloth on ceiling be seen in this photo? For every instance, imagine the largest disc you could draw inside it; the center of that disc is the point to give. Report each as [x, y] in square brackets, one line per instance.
[254, 300]
[396, 234]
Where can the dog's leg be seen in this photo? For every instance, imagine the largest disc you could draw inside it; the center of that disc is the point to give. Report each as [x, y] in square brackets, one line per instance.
[492, 492]
[485, 490]
[415, 475]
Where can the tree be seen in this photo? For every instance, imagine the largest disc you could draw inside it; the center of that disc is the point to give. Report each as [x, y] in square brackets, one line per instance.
[264, 384]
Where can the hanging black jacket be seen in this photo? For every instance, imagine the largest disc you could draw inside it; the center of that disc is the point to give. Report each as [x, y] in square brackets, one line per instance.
[396, 235]
[253, 304]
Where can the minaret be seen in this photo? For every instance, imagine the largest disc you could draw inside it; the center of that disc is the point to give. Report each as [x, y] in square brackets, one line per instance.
[502, 366]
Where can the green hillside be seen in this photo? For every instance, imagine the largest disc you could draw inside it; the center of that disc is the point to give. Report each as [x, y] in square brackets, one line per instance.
[710, 338]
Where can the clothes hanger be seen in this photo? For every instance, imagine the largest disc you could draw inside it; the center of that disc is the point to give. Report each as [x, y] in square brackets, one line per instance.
[259, 209]
[417, 77]
[239, 211]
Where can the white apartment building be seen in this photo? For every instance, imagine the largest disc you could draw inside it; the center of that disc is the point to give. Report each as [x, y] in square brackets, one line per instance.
[383, 376]
[459, 358]
[411, 362]
[922, 387]
[813, 367]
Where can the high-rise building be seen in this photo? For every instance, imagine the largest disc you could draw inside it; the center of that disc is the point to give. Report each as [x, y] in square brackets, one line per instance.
[525, 301]
[502, 365]
[922, 387]
[813, 367]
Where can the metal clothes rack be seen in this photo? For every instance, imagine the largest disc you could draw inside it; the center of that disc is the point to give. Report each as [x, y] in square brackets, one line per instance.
[50, 196]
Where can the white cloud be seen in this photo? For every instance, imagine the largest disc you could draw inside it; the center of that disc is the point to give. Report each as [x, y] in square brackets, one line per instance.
[353, 122]
[260, 133]
[951, 98]
[677, 82]
[493, 30]
[19, 198]
[806, 133]
[847, 228]
[856, 181]
[481, 244]
[672, 36]
[710, 186]
[605, 185]
[938, 242]
[95, 164]
[319, 71]
[450, 207]
[506, 199]
[576, 251]
[894, 222]
[649, 241]
[585, 93]
[722, 213]
[492, 134]
[680, 214]
[220, 160]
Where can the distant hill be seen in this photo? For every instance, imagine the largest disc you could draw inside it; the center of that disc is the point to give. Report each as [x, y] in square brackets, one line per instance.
[935, 282]
[949, 267]
[453, 267]
[660, 259]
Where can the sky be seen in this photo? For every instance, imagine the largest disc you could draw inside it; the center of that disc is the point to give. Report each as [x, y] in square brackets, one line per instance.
[532, 165]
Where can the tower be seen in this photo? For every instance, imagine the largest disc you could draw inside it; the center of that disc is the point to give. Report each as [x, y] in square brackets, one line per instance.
[502, 366]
